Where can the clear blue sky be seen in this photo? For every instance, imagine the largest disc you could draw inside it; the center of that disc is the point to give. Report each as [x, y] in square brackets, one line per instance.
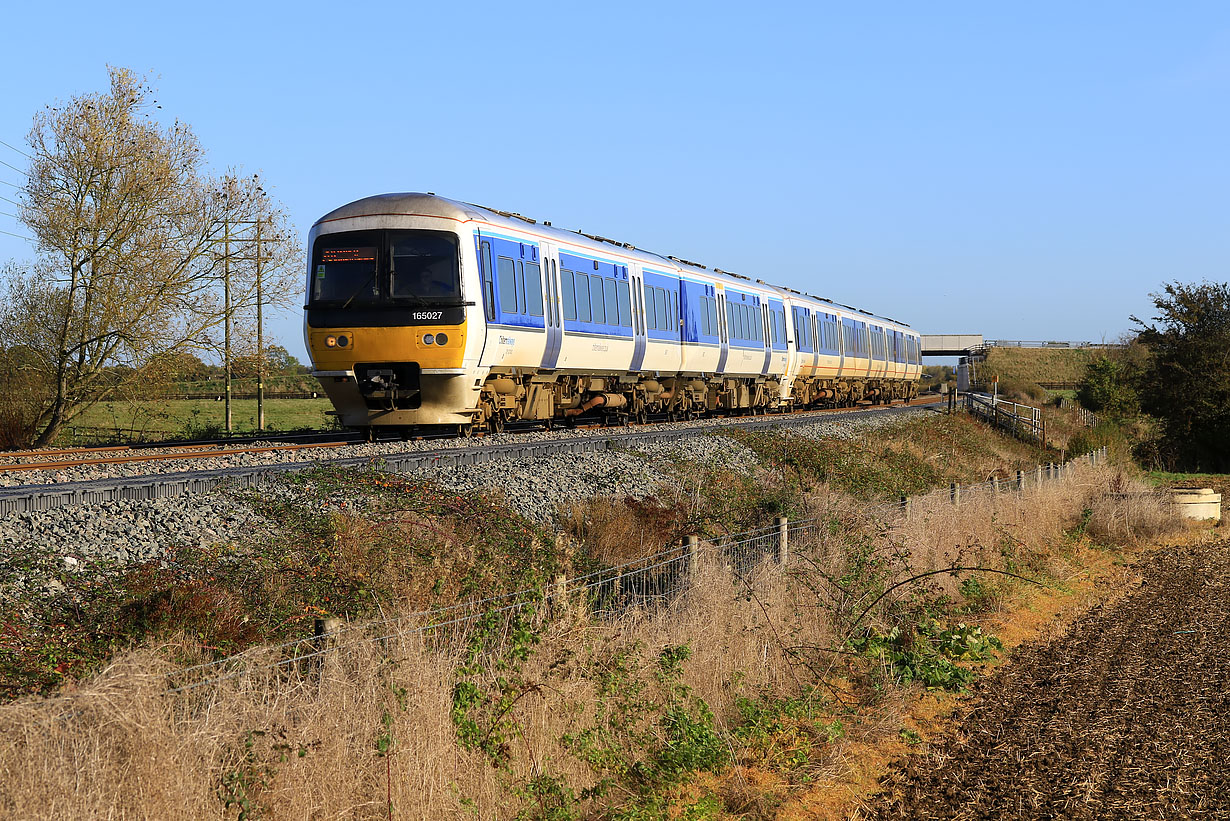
[1027, 171]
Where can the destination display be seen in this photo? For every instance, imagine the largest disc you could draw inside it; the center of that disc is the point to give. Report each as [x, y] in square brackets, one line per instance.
[331, 255]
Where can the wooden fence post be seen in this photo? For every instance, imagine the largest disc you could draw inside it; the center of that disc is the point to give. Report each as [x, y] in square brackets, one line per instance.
[691, 544]
[324, 636]
[954, 491]
[1020, 480]
[783, 536]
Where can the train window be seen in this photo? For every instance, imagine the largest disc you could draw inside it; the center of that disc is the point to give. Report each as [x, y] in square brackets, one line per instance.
[596, 306]
[583, 313]
[424, 265]
[608, 296]
[488, 282]
[674, 306]
[650, 313]
[659, 306]
[704, 317]
[625, 303]
[344, 268]
[533, 289]
[507, 276]
[711, 309]
[566, 293]
[520, 287]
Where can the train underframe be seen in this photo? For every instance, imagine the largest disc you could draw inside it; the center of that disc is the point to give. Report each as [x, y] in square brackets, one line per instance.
[390, 395]
[620, 399]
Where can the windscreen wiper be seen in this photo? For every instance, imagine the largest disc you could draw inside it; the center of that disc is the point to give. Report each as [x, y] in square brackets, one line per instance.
[359, 290]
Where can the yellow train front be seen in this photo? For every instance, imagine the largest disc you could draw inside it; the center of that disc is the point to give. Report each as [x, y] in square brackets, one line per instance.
[387, 312]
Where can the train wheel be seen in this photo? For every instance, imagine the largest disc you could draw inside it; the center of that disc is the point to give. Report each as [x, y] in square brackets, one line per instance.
[465, 431]
[496, 423]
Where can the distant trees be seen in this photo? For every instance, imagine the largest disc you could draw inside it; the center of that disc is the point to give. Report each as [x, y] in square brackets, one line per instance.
[130, 268]
[1175, 370]
[1186, 380]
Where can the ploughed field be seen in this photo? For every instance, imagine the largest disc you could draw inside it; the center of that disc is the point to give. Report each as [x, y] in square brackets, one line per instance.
[1126, 715]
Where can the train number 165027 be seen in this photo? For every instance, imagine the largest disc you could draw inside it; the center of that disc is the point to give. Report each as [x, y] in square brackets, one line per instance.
[427, 316]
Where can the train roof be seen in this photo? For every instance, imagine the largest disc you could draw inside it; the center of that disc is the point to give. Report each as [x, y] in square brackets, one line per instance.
[431, 205]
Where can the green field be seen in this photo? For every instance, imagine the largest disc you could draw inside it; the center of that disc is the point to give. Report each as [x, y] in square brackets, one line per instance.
[161, 419]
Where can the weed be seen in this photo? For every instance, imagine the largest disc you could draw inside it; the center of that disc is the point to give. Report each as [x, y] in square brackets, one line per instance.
[928, 655]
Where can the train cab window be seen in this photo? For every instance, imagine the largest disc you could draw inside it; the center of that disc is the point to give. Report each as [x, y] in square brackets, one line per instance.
[533, 289]
[566, 294]
[506, 274]
[624, 297]
[424, 265]
[344, 268]
[583, 309]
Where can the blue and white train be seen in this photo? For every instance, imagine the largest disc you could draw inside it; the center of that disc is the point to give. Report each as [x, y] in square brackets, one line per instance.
[424, 311]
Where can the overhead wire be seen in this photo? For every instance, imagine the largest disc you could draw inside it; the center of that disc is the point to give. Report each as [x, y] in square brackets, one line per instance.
[15, 148]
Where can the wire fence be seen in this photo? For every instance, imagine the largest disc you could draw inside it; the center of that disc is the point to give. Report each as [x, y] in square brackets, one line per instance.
[650, 582]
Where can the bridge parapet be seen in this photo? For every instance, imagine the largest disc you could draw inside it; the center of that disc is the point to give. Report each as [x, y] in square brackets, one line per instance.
[950, 344]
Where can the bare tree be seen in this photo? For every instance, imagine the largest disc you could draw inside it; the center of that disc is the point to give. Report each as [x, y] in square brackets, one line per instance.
[131, 255]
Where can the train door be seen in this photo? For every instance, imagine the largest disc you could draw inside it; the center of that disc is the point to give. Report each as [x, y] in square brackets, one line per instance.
[551, 313]
[766, 336]
[840, 342]
[723, 332]
[638, 316]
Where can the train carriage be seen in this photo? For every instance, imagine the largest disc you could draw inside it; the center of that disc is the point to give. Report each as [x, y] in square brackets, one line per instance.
[423, 311]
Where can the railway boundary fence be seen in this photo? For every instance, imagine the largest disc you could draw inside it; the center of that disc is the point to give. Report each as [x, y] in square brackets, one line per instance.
[650, 582]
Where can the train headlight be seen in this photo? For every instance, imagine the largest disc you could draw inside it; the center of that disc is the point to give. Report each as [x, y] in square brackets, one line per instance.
[330, 341]
[441, 339]
[428, 339]
[343, 341]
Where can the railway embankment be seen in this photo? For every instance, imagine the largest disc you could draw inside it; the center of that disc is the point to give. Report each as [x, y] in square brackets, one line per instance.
[730, 677]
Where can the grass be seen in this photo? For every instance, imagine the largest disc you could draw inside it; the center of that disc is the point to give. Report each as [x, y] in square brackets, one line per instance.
[155, 419]
[1034, 365]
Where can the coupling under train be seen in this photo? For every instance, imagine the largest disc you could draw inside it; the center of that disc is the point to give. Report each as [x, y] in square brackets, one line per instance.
[423, 311]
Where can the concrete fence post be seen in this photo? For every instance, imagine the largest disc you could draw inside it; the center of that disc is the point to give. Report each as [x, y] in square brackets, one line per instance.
[905, 507]
[1039, 482]
[783, 539]
[954, 491]
[324, 636]
[1020, 480]
[691, 545]
[995, 485]
[559, 593]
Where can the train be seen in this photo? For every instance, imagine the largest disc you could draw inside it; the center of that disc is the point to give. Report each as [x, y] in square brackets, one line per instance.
[425, 312]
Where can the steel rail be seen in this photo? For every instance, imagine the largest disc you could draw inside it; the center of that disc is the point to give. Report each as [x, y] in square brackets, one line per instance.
[40, 497]
[199, 453]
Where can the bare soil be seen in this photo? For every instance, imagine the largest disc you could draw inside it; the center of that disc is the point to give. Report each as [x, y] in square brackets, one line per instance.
[1125, 715]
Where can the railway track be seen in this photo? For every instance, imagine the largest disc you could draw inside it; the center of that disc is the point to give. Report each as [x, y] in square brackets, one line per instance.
[50, 495]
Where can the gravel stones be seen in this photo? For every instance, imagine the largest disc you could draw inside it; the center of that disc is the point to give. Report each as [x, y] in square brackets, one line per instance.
[138, 531]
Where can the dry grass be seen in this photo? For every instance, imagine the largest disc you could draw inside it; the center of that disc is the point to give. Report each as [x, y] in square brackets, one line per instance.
[308, 746]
